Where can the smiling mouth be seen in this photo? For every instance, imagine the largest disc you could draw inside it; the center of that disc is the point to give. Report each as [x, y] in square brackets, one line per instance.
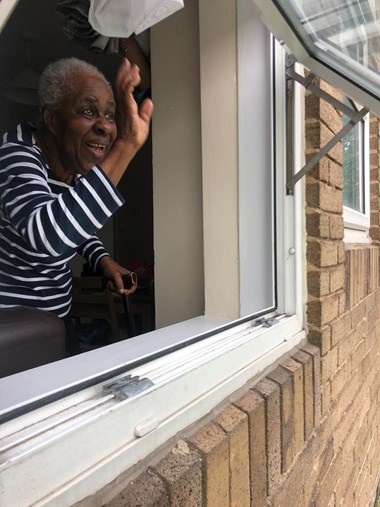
[98, 149]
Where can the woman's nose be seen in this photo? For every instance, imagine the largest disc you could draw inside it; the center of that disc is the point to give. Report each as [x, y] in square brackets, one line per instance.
[103, 125]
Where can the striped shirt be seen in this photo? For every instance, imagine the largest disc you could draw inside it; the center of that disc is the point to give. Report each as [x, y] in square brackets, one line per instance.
[44, 223]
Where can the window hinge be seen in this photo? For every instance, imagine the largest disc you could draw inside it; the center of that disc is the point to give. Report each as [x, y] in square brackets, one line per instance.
[127, 387]
[267, 322]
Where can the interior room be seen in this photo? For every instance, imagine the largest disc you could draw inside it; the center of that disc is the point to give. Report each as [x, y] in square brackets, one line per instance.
[158, 232]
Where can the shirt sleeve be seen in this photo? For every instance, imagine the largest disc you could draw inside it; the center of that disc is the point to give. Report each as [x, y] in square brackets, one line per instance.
[52, 224]
[92, 251]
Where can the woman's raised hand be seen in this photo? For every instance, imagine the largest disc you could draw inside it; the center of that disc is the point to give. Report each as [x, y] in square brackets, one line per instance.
[132, 121]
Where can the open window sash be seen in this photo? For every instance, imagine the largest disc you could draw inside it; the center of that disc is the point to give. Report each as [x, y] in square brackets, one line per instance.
[327, 37]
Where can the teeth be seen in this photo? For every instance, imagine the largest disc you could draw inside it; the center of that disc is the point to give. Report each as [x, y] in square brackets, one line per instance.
[99, 147]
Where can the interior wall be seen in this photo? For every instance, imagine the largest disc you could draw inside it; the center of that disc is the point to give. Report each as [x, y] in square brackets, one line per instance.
[218, 42]
[177, 168]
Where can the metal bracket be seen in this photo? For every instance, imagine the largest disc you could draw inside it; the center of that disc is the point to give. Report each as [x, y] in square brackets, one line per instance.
[266, 322]
[354, 115]
[127, 387]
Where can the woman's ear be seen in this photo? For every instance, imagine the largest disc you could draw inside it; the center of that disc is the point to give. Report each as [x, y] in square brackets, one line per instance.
[49, 118]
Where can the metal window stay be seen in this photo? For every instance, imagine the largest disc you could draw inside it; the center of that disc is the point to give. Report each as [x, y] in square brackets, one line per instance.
[354, 115]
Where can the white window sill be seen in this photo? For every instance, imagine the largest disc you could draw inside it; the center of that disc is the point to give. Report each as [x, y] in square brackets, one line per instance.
[94, 434]
[32, 385]
[356, 236]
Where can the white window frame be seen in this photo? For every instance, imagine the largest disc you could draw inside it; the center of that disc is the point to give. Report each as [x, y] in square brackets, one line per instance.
[71, 447]
[353, 78]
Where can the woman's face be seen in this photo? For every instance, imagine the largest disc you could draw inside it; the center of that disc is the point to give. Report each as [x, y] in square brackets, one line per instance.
[85, 125]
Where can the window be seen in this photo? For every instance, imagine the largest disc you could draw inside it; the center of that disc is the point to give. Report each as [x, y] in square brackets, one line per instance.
[356, 179]
[219, 161]
[338, 41]
[332, 39]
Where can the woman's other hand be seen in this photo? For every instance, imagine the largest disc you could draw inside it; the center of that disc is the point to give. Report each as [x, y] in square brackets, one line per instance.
[114, 274]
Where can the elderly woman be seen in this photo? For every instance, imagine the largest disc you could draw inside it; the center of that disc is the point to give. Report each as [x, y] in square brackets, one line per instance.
[58, 182]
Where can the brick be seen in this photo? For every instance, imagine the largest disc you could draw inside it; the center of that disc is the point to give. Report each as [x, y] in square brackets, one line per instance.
[330, 116]
[322, 253]
[337, 278]
[336, 226]
[313, 193]
[316, 359]
[344, 480]
[373, 277]
[146, 491]
[331, 199]
[342, 302]
[371, 320]
[357, 275]
[328, 484]
[367, 362]
[340, 378]
[235, 423]
[295, 371]
[317, 224]
[254, 406]
[318, 282]
[212, 444]
[282, 378]
[322, 458]
[370, 302]
[325, 397]
[322, 311]
[308, 390]
[348, 394]
[330, 90]
[329, 364]
[340, 328]
[181, 472]
[341, 252]
[346, 346]
[336, 175]
[271, 393]
[321, 171]
[321, 338]
[371, 340]
[335, 152]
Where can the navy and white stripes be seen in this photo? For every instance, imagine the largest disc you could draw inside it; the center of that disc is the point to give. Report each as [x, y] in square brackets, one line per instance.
[44, 222]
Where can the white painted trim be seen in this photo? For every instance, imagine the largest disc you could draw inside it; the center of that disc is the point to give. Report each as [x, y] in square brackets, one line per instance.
[6, 9]
[32, 385]
[98, 435]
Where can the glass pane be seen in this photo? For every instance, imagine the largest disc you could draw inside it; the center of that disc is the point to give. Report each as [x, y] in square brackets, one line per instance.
[352, 168]
[256, 221]
[343, 34]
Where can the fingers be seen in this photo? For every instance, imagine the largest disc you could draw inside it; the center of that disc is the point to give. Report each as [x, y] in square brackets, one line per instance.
[146, 111]
[128, 76]
[116, 284]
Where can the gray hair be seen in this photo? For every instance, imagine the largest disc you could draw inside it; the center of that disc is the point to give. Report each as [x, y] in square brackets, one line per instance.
[56, 81]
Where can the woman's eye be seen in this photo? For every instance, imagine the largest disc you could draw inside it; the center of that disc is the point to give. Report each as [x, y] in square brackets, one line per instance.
[110, 116]
[88, 112]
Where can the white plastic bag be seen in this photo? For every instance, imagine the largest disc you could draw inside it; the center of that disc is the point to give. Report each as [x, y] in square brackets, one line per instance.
[121, 18]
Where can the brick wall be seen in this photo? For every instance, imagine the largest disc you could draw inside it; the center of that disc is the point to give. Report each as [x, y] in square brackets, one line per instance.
[307, 434]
